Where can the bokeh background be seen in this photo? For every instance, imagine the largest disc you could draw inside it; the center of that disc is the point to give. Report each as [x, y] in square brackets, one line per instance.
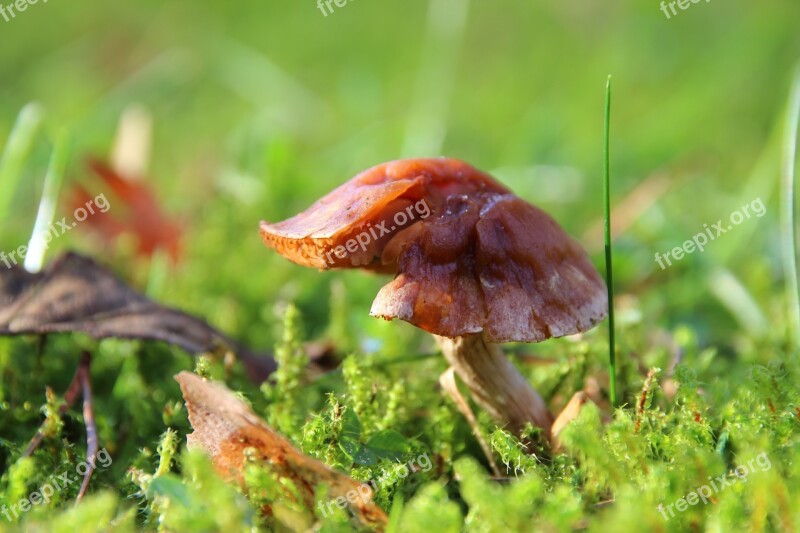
[236, 112]
[259, 108]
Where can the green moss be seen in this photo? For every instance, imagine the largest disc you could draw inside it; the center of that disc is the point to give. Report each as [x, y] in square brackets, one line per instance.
[283, 391]
[225, 157]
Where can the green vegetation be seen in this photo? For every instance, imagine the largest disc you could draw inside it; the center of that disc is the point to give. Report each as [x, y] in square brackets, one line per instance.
[258, 109]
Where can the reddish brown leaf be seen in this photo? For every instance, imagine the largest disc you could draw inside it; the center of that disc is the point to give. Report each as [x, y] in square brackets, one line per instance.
[136, 212]
[224, 427]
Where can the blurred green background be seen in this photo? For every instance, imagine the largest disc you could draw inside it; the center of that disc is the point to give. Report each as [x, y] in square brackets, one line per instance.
[259, 108]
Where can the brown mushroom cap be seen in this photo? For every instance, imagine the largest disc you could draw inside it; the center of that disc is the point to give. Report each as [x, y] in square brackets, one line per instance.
[484, 260]
[365, 202]
[494, 263]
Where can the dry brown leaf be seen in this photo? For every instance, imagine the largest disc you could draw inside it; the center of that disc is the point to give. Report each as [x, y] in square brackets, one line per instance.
[75, 293]
[570, 412]
[224, 427]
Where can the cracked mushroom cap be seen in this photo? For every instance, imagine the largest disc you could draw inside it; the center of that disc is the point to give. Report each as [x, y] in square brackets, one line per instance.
[472, 258]
[362, 212]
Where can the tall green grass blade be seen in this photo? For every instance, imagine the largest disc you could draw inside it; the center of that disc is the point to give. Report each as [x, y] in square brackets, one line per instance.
[612, 355]
[427, 124]
[790, 208]
[43, 227]
[16, 152]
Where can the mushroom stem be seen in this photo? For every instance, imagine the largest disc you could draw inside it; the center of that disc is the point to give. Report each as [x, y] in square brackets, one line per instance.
[495, 384]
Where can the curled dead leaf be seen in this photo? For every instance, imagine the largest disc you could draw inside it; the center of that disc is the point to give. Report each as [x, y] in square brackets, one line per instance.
[75, 293]
[225, 427]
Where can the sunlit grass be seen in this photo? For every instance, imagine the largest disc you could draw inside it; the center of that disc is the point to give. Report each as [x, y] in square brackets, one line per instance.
[789, 213]
[37, 246]
[258, 110]
[16, 152]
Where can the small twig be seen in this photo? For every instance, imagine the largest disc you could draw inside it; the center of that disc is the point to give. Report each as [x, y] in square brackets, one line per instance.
[81, 382]
[605, 503]
[534, 360]
[69, 398]
[88, 420]
[641, 405]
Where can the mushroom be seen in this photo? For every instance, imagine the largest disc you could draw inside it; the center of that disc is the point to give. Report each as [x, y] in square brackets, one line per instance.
[474, 265]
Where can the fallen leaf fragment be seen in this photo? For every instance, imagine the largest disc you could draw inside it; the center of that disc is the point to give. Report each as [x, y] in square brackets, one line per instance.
[136, 212]
[224, 427]
[76, 294]
[570, 412]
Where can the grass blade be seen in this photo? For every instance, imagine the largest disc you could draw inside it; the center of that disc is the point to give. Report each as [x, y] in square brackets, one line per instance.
[16, 152]
[427, 124]
[789, 211]
[40, 237]
[612, 355]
